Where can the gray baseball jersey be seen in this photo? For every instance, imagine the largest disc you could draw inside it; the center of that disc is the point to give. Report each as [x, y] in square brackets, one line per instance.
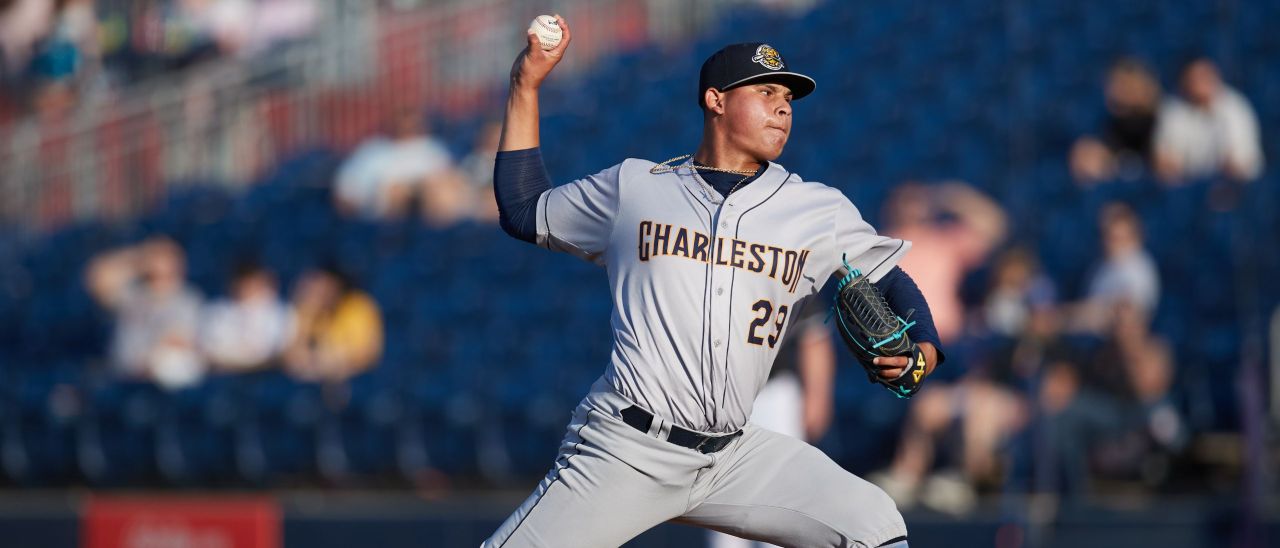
[702, 286]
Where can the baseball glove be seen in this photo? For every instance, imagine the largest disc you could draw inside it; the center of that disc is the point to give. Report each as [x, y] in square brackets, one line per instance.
[872, 330]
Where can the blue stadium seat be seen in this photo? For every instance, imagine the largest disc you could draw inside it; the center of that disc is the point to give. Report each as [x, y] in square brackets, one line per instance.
[279, 442]
[117, 441]
[369, 417]
[197, 432]
[43, 409]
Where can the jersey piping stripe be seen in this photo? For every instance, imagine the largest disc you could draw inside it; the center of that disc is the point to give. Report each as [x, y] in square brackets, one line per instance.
[733, 273]
[577, 450]
[895, 542]
[707, 312]
[886, 258]
[706, 370]
[703, 333]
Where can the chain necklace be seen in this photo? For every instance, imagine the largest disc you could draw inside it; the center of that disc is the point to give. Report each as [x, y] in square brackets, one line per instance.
[666, 167]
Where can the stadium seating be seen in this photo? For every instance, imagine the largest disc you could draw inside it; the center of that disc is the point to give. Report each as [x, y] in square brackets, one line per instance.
[490, 342]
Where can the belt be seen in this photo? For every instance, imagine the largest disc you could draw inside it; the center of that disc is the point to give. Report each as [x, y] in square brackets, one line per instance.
[641, 420]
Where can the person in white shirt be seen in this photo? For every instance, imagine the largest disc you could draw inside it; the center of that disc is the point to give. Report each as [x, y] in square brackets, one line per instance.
[386, 175]
[1211, 130]
[1126, 275]
[156, 312]
[251, 328]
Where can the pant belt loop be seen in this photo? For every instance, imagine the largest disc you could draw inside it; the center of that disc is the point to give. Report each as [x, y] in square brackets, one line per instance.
[658, 428]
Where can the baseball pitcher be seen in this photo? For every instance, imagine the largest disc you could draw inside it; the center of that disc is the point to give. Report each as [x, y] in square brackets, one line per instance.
[707, 255]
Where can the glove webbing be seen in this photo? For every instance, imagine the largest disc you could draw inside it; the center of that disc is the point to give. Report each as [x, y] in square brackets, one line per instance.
[871, 305]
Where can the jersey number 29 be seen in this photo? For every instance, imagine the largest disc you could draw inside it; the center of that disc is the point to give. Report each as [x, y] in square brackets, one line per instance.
[764, 310]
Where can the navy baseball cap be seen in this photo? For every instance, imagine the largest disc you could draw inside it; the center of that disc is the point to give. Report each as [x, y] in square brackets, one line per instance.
[750, 63]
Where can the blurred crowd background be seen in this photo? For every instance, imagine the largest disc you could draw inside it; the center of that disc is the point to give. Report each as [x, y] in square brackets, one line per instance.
[253, 243]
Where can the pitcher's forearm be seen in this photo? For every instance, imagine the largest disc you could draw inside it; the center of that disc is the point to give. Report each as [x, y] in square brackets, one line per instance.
[520, 126]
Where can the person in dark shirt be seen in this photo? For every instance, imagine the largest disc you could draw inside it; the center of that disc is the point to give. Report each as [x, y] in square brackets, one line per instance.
[1108, 408]
[1124, 147]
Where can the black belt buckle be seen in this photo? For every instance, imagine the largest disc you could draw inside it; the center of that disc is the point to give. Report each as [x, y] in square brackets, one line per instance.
[712, 444]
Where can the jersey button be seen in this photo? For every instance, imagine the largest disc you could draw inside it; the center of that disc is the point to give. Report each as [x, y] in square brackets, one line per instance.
[717, 343]
[724, 224]
[719, 291]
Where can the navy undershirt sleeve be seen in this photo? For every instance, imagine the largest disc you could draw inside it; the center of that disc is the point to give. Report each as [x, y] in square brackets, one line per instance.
[902, 294]
[519, 179]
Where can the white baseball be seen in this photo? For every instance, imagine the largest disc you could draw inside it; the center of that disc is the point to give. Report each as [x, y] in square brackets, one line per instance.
[547, 30]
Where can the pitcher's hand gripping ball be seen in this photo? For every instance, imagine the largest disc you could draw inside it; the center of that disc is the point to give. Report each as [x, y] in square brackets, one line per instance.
[871, 330]
[547, 30]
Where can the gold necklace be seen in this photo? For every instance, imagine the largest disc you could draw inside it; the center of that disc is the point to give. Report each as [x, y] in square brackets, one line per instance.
[666, 167]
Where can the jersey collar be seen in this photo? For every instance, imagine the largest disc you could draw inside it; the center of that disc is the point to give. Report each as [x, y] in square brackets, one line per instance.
[754, 192]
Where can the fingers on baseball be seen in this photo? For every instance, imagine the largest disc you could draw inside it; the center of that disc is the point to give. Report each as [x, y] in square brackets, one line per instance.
[565, 36]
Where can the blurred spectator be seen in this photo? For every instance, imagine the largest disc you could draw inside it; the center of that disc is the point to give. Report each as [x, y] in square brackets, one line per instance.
[989, 401]
[1210, 130]
[339, 328]
[1124, 148]
[384, 177]
[1127, 273]
[277, 22]
[157, 311]
[1110, 409]
[56, 40]
[952, 228]
[72, 43]
[477, 167]
[249, 27]
[797, 399]
[1021, 297]
[23, 23]
[251, 328]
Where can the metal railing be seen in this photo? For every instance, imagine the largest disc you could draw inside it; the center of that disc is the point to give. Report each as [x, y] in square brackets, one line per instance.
[226, 121]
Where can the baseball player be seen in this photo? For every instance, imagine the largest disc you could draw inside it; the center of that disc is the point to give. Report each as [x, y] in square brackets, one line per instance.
[706, 256]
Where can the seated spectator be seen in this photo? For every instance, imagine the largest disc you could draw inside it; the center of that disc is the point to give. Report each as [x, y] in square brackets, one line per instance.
[250, 329]
[1126, 274]
[157, 312]
[952, 228]
[989, 401]
[244, 29]
[1211, 130]
[23, 24]
[1109, 410]
[339, 328]
[385, 177]
[477, 167]
[72, 44]
[1124, 148]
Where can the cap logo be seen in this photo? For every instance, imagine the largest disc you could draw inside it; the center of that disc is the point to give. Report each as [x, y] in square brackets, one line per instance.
[768, 57]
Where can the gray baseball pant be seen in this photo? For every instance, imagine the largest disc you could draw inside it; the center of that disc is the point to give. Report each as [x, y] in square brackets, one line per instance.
[612, 482]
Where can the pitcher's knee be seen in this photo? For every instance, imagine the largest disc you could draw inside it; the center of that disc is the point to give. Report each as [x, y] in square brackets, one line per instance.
[869, 516]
